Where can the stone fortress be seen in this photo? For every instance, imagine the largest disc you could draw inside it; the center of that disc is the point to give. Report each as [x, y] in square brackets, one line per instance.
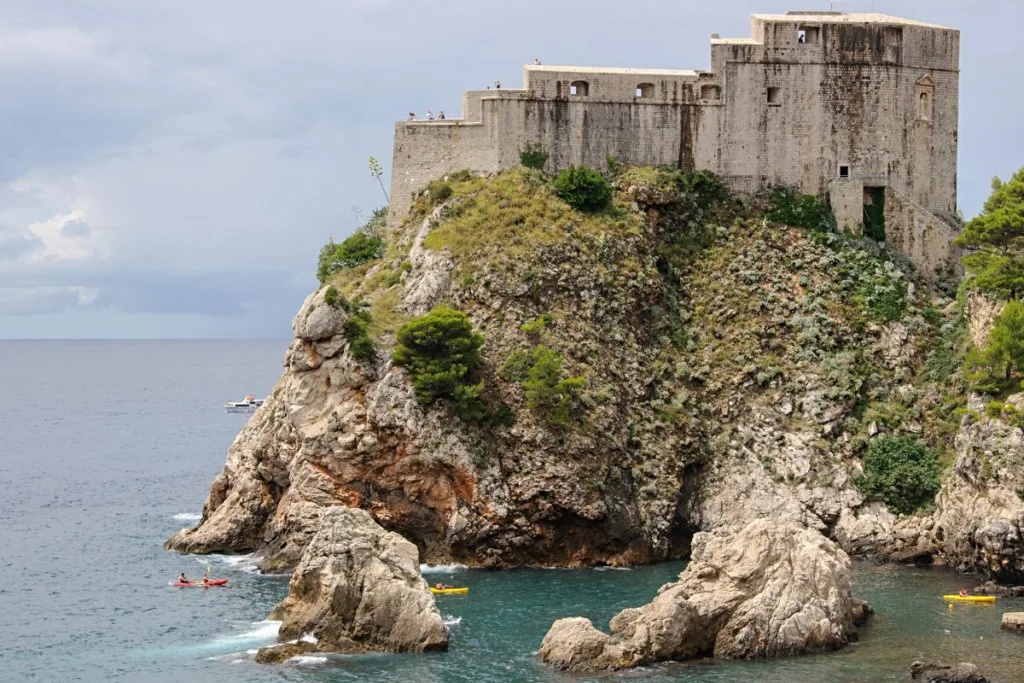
[859, 108]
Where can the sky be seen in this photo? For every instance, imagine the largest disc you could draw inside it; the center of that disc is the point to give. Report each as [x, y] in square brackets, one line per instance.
[171, 168]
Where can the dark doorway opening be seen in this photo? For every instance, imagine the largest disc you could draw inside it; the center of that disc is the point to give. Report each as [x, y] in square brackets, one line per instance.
[874, 213]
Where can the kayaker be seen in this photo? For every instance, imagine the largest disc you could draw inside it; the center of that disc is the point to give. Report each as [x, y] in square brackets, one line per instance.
[182, 579]
[963, 593]
[206, 578]
[443, 586]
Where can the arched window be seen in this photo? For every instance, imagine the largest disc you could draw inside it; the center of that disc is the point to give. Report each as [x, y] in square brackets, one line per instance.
[645, 90]
[580, 88]
[924, 107]
[925, 98]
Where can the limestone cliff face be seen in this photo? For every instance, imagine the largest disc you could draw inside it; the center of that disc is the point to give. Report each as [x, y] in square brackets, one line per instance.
[979, 517]
[735, 370]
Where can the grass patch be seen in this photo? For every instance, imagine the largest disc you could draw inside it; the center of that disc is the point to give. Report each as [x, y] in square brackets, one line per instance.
[384, 318]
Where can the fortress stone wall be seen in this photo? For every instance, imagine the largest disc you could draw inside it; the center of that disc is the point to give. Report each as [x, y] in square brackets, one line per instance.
[848, 106]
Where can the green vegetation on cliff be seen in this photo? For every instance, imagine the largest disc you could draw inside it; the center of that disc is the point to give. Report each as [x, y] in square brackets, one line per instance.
[995, 240]
[900, 472]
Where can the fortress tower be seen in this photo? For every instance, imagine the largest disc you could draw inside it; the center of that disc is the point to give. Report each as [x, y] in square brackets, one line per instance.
[861, 108]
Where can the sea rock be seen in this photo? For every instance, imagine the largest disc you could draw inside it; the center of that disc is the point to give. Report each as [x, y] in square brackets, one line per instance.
[358, 588]
[767, 590]
[933, 672]
[979, 516]
[993, 588]
[276, 654]
[1013, 621]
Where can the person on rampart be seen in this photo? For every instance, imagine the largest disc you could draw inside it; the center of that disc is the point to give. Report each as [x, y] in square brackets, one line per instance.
[412, 116]
[430, 115]
[440, 115]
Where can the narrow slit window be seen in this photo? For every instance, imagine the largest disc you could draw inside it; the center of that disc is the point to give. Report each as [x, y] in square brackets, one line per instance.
[579, 88]
[774, 96]
[844, 171]
[645, 90]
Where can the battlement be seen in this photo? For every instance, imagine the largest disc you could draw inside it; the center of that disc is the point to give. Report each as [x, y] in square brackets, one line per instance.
[839, 105]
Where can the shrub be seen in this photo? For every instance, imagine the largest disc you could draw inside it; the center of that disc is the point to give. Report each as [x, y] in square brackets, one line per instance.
[800, 210]
[583, 189]
[901, 472]
[360, 345]
[516, 367]
[992, 369]
[537, 325]
[331, 296]
[545, 390]
[439, 192]
[359, 248]
[533, 156]
[442, 354]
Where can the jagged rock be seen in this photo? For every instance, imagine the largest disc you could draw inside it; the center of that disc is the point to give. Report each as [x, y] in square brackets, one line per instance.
[1013, 621]
[993, 588]
[317, 320]
[276, 654]
[933, 672]
[767, 590]
[358, 588]
[980, 512]
[980, 313]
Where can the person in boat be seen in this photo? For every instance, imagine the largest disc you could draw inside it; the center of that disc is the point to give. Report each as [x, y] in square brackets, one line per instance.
[182, 579]
[963, 593]
[206, 578]
[442, 586]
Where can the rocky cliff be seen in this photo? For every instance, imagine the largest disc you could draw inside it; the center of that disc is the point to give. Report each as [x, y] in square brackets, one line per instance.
[735, 368]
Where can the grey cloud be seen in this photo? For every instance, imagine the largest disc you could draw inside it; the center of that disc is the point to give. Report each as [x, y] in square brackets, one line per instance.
[37, 300]
[15, 243]
[76, 228]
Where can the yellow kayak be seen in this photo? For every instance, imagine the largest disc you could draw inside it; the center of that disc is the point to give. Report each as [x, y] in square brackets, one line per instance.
[970, 598]
[449, 591]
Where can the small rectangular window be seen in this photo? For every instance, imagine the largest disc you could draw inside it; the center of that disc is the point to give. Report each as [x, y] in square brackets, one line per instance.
[808, 35]
[774, 96]
[844, 171]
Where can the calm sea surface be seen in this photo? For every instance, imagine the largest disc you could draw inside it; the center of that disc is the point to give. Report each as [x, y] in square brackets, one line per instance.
[106, 448]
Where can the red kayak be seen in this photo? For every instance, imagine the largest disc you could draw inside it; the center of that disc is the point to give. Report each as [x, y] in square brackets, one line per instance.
[200, 584]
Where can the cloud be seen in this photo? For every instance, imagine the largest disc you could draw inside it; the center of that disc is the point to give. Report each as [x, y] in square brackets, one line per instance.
[75, 228]
[16, 243]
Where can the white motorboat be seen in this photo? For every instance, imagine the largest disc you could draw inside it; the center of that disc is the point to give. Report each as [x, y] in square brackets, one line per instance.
[248, 405]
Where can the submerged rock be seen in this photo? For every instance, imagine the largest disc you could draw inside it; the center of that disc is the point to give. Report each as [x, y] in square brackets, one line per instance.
[277, 654]
[933, 672]
[768, 590]
[358, 588]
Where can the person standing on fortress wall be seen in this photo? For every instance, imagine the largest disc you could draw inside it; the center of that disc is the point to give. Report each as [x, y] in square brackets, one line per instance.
[430, 115]
[497, 85]
[440, 115]
[536, 60]
[412, 116]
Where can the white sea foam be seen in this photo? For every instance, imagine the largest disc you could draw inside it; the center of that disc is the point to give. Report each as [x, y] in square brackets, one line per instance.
[261, 631]
[612, 569]
[306, 660]
[449, 620]
[441, 568]
[188, 517]
[309, 638]
[243, 563]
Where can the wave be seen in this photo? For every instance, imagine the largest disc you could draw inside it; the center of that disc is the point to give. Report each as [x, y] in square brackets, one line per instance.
[449, 620]
[249, 564]
[606, 568]
[187, 517]
[308, 638]
[306, 660]
[441, 568]
[264, 631]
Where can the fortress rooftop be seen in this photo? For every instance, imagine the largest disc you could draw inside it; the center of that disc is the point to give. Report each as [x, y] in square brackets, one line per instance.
[842, 18]
[606, 70]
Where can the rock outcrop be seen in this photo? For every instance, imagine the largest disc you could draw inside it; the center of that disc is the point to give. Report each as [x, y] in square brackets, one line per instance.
[979, 517]
[735, 370]
[1013, 621]
[767, 590]
[278, 654]
[358, 588]
[933, 672]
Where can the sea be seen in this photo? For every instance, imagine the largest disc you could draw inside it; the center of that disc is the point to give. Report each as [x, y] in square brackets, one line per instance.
[108, 447]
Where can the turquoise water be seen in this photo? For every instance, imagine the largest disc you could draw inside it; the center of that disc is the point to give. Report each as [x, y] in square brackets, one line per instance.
[108, 447]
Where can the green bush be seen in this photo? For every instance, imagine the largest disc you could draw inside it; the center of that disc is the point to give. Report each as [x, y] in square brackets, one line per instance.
[516, 367]
[800, 210]
[533, 156]
[546, 392]
[537, 325]
[442, 354]
[359, 248]
[583, 189]
[360, 345]
[997, 367]
[901, 472]
[439, 192]
[332, 297]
